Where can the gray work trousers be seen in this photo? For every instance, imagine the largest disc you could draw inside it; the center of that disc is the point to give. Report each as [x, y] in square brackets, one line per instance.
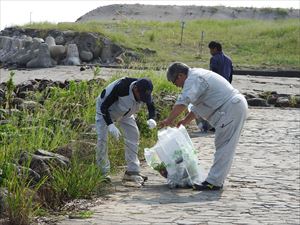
[228, 130]
[131, 135]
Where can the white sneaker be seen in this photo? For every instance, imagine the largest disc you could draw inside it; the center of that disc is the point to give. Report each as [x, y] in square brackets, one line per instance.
[133, 179]
[106, 179]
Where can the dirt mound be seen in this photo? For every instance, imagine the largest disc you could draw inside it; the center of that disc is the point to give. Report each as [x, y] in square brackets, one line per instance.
[174, 13]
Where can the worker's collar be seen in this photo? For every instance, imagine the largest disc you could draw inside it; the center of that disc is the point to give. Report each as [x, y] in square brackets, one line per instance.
[218, 53]
[131, 94]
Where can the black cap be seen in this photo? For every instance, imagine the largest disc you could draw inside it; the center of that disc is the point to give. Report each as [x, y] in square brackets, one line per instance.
[145, 87]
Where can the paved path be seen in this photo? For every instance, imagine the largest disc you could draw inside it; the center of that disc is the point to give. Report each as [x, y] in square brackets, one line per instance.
[262, 188]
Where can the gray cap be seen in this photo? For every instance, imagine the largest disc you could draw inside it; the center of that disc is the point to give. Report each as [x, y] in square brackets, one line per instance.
[176, 68]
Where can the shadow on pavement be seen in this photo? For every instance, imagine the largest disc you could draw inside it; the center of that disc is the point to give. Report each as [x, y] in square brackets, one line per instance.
[161, 194]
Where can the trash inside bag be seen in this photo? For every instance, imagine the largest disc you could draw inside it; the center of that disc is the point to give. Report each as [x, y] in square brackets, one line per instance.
[174, 157]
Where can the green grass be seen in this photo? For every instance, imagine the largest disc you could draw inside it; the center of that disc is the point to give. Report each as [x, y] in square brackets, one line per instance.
[250, 43]
[77, 181]
[51, 127]
[20, 196]
[81, 215]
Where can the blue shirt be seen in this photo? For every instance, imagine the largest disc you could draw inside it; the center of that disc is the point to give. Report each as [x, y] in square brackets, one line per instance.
[222, 64]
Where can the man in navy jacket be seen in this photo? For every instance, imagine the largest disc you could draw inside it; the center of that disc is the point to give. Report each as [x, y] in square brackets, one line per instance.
[118, 103]
[219, 62]
[222, 65]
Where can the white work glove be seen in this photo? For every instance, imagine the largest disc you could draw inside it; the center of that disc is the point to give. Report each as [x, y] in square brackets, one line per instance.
[114, 131]
[190, 107]
[151, 123]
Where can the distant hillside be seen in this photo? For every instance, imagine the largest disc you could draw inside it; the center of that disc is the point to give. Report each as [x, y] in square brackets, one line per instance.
[173, 13]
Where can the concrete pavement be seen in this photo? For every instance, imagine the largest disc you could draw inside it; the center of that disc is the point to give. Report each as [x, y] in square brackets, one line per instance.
[262, 187]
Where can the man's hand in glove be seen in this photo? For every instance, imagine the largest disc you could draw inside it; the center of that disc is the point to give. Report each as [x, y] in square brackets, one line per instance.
[151, 123]
[114, 131]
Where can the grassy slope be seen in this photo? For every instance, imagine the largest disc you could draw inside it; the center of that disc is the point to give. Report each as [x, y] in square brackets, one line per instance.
[250, 43]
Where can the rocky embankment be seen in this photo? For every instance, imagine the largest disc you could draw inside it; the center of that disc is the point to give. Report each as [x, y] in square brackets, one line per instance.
[31, 48]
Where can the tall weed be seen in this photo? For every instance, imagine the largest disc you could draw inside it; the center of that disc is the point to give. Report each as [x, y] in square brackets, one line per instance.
[78, 181]
[20, 199]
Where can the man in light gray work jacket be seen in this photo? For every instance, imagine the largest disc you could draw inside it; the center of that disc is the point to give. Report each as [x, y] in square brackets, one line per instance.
[214, 99]
[118, 102]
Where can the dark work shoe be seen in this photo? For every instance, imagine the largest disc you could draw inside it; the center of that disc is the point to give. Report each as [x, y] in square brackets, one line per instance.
[212, 130]
[205, 186]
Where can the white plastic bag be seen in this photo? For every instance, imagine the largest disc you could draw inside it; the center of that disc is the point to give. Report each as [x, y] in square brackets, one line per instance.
[175, 152]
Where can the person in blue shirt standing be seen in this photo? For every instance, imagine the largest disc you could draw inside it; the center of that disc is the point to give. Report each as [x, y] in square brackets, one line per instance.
[219, 62]
[222, 65]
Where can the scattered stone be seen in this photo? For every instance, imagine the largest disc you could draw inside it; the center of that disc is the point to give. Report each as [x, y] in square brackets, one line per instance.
[147, 51]
[17, 102]
[257, 102]
[119, 60]
[28, 173]
[43, 84]
[78, 123]
[84, 149]
[42, 161]
[37, 164]
[282, 102]
[249, 95]
[30, 106]
[26, 94]
[272, 99]
[25, 86]
[60, 160]
[6, 112]
[3, 202]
